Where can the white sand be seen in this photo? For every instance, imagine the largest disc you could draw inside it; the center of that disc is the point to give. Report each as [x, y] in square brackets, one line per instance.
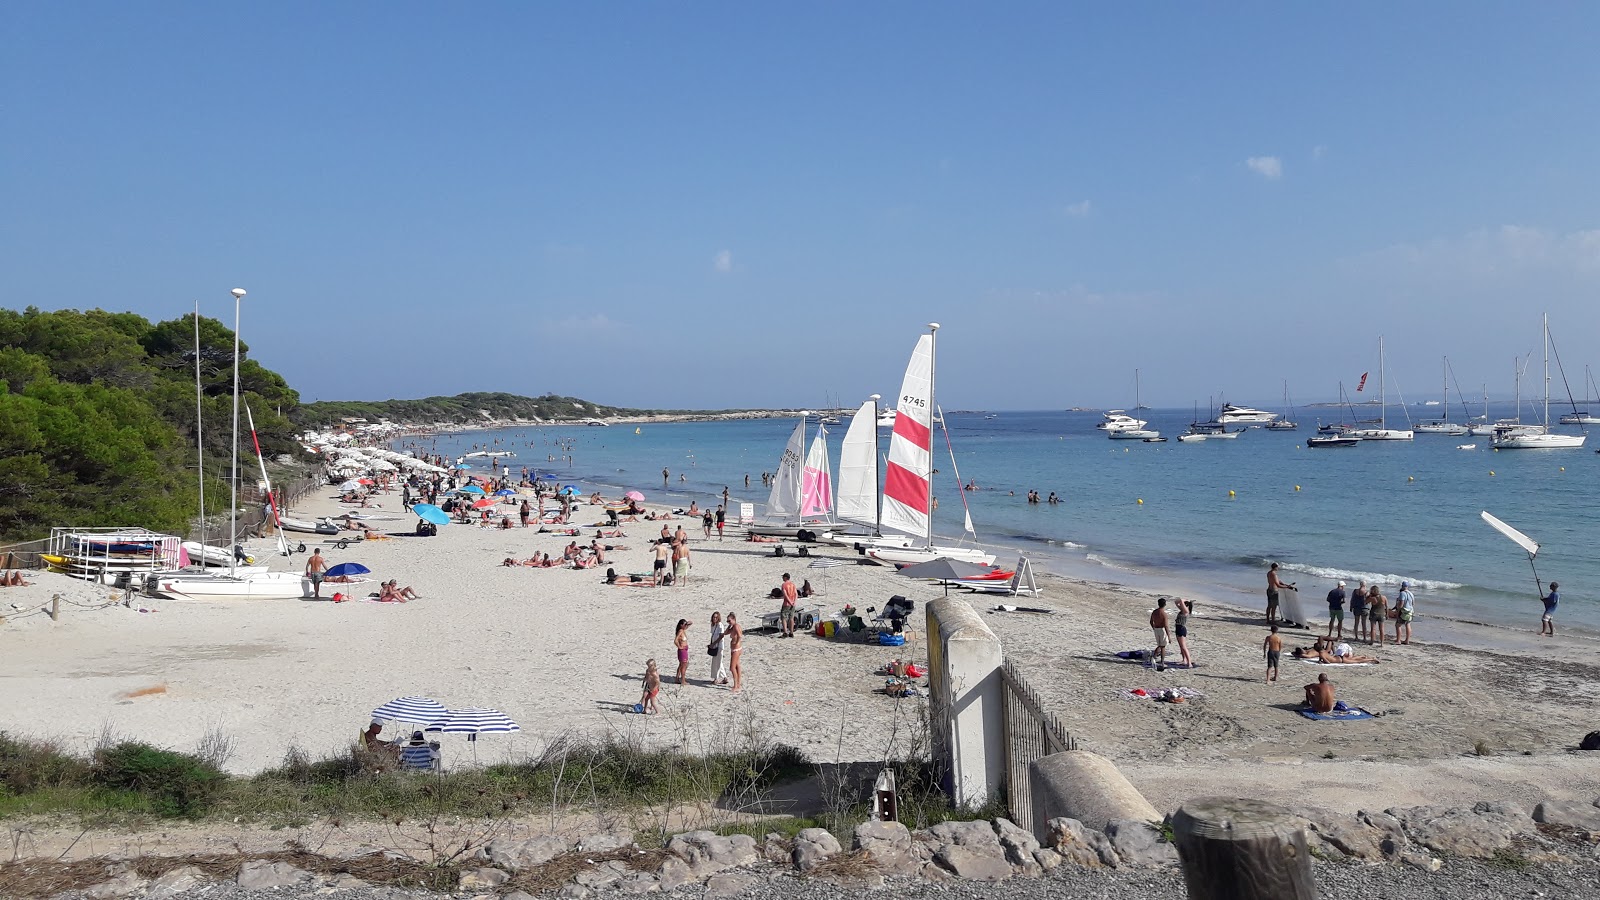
[562, 653]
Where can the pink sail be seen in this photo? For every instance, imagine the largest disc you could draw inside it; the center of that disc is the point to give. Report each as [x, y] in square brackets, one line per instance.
[910, 464]
[816, 482]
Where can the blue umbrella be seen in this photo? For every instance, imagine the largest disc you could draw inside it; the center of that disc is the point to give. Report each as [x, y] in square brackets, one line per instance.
[548, 477]
[462, 466]
[470, 489]
[505, 492]
[570, 491]
[411, 709]
[347, 569]
[430, 513]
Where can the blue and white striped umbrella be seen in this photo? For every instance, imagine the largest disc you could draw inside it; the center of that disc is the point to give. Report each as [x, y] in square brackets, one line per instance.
[411, 709]
[474, 721]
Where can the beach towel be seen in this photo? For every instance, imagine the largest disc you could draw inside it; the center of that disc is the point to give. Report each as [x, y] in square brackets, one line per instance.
[1339, 715]
[1166, 694]
[1318, 662]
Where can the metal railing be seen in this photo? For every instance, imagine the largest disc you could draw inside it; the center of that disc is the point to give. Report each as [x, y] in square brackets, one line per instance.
[1030, 734]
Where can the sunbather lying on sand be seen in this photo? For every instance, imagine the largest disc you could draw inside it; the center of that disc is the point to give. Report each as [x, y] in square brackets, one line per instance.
[763, 539]
[12, 579]
[351, 524]
[392, 592]
[1321, 654]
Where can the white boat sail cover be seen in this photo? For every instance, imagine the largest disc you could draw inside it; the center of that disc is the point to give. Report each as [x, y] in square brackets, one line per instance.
[858, 468]
[816, 480]
[905, 479]
[784, 501]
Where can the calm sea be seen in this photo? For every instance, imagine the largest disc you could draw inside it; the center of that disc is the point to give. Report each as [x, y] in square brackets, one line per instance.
[1212, 515]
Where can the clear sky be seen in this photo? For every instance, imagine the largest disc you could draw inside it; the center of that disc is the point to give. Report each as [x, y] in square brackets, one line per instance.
[759, 204]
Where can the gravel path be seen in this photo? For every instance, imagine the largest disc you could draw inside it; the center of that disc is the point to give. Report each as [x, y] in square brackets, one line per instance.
[1457, 881]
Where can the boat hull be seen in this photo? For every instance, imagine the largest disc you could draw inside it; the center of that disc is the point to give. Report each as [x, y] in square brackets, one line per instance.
[266, 586]
[1383, 434]
[1540, 442]
[1332, 441]
[907, 556]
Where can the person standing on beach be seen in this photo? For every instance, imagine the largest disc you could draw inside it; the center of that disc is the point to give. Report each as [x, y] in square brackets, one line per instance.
[523, 512]
[1181, 628]
[1273, 587]
[786, 612]
[1547, 622]
[719, 666]
[680, 563]
[735, 650]
[316, 566]
[1158, 624]
[680, 640]
[1405, 605]
[1358, 610]
[659, 569]
[720, 517]
[707, 521]
[1377, 611]
[1273, 647]
[1336, 610]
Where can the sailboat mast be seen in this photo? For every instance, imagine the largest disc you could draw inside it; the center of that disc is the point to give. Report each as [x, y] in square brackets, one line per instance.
[199, 430]
[233, 476]
[933, 371]
[1546, 371]
[877, 491]
[1383, 393]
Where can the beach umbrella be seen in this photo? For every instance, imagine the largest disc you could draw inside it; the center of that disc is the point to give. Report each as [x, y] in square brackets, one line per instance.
[474, 721]
[363, 481]
[570, 491]
[418, 710]
[945, 569]
[469, 489]
[825, 563]
[505, 492]
[346, 570]
[634, 495]
[351, 485]
[548, 477]
[485, 503]
[430, 513]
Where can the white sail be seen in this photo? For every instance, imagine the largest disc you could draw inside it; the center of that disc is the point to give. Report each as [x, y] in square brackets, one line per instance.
[784, 501]
[905, 481]
[857, 500]
[816, 480]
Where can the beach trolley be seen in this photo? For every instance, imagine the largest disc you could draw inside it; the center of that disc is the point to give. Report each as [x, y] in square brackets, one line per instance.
[114, 556]
[806, 619]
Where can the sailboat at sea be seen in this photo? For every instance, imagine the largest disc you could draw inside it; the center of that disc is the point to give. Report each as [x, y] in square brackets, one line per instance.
[1286, 421]
[1135, 431]
[800, 504]
[1582, 416]
[908, 476]
[1383, 432]
[1537, 437]
[1443, 425]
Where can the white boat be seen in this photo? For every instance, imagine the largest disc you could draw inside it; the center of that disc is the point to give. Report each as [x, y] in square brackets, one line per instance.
[1115, 420]
[290, 523]
[1244, 415]
[908, 475]
[258, 586]
[1582, 416]
[886, 418]
[1443, 425]
[1538, 437]
[207, 555]
[1466, 446]
[1284, 422]
[1332, 440]
[1191, 438]
[800, 504]
[1123, 433]
[1383, 432]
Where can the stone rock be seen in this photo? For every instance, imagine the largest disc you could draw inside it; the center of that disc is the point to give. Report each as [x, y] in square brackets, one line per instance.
[974, 862]
[888, 845]
[518, 895]
[126, 884]
[932, 873]
[258, 874]
[727, 885]
[1047, 859]
[514, 856]
[1334, 834]
[1391, 836]
[1479, 832]
[708, 853]
[481, 879]
[812, 846]
[775, 848]
[175, 882]
[1570, 813]
[1019, 845]
[1422, 861]
[675, 873]
[344, 881]
[1138, 845]
[600, 843]
[1079, 844]
[606, 873]
[639, 883]
[965, 834]
[572, 891]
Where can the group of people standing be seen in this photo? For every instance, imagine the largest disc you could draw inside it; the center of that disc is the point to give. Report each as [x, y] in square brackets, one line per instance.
[725, 648]
[1369, 609]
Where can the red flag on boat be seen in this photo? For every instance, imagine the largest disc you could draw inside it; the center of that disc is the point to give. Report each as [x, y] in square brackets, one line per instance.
[1363, 382]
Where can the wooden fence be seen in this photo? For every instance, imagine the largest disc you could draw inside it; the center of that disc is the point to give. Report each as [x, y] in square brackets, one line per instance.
[1031, 733]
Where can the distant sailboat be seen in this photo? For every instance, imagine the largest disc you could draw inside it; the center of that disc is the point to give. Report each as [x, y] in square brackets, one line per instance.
[1383, 432]
[1538, 437]
[1443, 425]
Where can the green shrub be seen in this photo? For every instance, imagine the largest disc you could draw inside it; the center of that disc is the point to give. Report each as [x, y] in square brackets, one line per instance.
[27, 766]
[176, 784]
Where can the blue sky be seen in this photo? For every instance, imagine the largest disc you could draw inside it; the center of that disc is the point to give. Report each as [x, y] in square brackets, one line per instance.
[744, 204]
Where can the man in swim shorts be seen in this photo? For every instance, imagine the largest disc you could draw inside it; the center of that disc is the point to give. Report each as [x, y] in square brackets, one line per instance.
[1319, 695]
[786, 612]
[663, 550]
[1547, 622]
[1273, 647]
[1158, 624]
[680, 563]
[1358, 610]
[316, 566]
[1405, 603]
[1273, 587]
[1336, 610]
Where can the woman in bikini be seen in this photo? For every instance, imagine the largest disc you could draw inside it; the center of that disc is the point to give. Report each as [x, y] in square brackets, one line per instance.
[681, 641]
[1377, 608]
[652, 687]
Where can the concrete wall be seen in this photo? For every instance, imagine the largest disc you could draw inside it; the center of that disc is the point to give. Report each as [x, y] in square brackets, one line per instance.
[1087, 787]
[966, 703]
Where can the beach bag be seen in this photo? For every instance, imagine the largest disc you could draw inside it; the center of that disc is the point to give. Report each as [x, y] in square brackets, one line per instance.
[803, 551]
[666, 579]
[778, 550]
[711, 650]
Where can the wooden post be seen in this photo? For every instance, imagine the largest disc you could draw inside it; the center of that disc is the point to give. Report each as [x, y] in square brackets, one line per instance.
[1242, 850]
[55, 607]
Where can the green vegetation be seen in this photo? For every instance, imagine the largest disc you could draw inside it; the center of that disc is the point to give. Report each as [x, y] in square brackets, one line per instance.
[467, 409]
[97, 418]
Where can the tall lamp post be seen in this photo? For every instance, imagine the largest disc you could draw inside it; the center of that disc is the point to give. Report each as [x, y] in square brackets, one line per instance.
[233, 503]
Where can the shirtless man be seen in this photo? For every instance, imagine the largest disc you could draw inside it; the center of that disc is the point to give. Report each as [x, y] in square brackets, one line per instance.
[680, 536]
[1273, 648]
[680, 563]
[316, 566]
[735, 651]
[786, 612]
[1273, 587]
[663, 551]
[1158, 624]
[1319, 695]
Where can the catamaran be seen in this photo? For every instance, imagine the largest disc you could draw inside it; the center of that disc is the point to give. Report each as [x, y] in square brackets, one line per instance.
[1383, 432]
[800, 504]
[1443, 425]
[908, 477]
[1537, 437]
[1135, 433]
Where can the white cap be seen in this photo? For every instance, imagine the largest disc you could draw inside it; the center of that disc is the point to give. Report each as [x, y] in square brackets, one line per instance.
[1341, 584]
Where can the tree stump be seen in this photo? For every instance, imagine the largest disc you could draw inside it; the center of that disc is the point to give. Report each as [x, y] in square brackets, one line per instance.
[1238, 849]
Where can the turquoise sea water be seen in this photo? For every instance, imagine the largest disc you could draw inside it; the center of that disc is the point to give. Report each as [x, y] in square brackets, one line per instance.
[1385, 510]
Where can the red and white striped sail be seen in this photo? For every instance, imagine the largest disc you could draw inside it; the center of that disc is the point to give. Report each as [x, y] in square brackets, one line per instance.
[910, 464]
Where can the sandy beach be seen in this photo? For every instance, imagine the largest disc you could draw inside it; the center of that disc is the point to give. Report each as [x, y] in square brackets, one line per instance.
[562, 653]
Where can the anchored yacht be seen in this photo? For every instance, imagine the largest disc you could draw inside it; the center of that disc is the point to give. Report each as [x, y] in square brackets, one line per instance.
[1244, 415]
